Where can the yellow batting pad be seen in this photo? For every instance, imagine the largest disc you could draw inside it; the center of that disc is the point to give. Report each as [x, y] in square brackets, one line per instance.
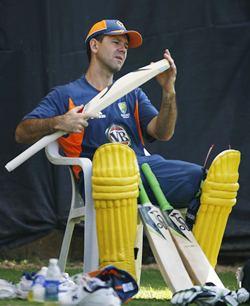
[218, 196]
[115, 190]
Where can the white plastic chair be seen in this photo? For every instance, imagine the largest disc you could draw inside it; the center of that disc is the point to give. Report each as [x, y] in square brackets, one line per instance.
[78, 210]
[85, 211]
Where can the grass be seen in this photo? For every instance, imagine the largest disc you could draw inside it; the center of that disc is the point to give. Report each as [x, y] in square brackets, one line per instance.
[153, 290]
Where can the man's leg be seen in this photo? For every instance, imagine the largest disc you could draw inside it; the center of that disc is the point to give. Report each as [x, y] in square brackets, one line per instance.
[218, 196]
[115, 190]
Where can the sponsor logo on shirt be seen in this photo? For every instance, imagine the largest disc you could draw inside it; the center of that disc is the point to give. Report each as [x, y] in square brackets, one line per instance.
[123, 108]
[117, 133]
[101, 115]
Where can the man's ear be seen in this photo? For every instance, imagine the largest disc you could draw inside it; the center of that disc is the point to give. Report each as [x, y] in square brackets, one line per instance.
[93, 45]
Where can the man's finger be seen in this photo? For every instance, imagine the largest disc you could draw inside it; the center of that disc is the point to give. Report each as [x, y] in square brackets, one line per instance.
[85, 123]
[77, 109]
[91, 115]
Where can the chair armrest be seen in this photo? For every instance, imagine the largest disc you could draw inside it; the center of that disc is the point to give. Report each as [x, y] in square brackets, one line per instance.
[53, 155]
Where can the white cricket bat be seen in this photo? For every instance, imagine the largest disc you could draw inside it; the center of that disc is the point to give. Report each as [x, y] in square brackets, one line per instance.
[105, 98]
[194, 259]
[166, 255]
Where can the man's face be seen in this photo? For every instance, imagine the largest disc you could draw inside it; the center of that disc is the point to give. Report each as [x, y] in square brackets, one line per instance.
[112, 52]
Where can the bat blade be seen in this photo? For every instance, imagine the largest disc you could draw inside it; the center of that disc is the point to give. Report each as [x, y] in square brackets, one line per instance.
[194, 259]
[191, 253]
[163, 247]
[124, 85]
[105, 98]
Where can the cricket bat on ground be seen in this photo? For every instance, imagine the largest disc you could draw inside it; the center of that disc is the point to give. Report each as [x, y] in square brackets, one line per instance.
[105, 98]
[166, 255]
[194, 259]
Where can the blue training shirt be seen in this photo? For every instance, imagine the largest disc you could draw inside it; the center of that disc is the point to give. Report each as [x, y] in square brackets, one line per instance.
[124, 121]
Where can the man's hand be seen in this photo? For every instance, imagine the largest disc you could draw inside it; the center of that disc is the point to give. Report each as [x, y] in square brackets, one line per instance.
[167, 78]
[162, 126]
[75, 120]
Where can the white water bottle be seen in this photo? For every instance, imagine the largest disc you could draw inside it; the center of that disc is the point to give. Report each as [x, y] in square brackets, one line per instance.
[37, 291]
[52, 283]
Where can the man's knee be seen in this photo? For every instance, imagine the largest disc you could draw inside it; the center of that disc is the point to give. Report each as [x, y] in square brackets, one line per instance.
[194, 174]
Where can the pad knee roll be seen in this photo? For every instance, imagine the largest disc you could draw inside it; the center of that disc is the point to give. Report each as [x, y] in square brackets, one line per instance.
[115, 190]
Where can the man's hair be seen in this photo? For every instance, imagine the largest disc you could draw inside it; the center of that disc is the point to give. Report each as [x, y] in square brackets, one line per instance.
[99, 38]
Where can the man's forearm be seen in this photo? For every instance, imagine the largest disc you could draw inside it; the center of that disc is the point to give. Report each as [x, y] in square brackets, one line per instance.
[31, 130]
[162, 127]
[166, 120]
[74, 121]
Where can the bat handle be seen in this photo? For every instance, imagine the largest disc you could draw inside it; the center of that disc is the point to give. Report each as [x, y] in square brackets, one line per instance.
[143, 195]
[37, 146]
[156, 188]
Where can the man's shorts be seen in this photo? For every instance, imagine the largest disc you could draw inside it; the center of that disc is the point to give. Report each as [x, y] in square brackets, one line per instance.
[179, 180]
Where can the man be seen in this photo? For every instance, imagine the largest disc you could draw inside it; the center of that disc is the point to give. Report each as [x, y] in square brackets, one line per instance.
[128, 120]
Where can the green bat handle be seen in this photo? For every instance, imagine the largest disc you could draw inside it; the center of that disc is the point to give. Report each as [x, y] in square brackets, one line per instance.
[142, 194]
[155, 186]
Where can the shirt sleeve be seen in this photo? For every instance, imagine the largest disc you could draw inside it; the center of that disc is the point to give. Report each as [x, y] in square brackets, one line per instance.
[54, 104]
[147, 112]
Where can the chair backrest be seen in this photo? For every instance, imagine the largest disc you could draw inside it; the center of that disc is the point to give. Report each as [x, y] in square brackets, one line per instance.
[53, 154]
[146, 152]
[52, 150]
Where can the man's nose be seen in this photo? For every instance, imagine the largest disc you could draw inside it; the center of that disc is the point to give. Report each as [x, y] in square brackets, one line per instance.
[123, 48]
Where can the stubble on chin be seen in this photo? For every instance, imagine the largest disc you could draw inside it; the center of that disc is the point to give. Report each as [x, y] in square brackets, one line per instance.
[116, 68]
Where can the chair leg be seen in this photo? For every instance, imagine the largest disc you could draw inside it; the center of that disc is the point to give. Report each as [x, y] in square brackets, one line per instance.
[91, 253]
[138, 248]
[66, 244]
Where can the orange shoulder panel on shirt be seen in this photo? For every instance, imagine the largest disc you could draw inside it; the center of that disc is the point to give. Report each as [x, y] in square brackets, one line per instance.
[72, 144]
[137, 120]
